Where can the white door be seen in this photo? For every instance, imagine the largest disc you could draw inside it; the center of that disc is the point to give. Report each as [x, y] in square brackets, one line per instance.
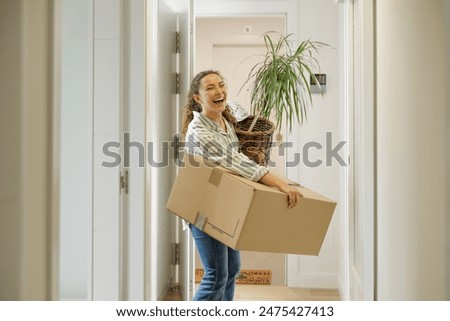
[116, 245]
[161, 118]
[118, 240]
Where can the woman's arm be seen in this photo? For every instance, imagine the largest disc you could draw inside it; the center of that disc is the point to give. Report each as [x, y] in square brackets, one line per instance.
[202, 141]
[292, 192]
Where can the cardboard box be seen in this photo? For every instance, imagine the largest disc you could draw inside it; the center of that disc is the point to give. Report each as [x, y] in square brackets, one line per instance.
[248, 215]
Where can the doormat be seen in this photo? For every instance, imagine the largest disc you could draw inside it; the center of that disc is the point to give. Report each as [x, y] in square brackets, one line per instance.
[245, 277]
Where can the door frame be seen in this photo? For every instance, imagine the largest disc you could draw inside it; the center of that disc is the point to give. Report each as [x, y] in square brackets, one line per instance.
[251, 8]
[184, 271]
[161, 24]
[359, 223]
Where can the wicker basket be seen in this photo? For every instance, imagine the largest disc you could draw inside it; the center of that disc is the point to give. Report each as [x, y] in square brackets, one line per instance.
[255, 144]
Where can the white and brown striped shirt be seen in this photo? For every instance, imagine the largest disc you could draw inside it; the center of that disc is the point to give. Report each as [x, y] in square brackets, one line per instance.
[204, 137]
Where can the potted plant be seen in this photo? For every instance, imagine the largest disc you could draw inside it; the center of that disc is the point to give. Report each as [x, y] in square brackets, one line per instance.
[280, 88]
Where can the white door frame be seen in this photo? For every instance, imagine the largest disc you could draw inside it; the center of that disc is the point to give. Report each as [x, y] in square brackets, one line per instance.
[346, 59]
[359, 222]
[160, 109]
[184, 274]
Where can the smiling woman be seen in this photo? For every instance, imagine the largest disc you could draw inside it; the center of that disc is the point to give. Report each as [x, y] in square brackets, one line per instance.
[212, 97]
[210, 134]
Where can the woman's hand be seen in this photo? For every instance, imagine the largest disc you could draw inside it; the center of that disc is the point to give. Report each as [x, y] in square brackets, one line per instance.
[293, 194]
[291, 191]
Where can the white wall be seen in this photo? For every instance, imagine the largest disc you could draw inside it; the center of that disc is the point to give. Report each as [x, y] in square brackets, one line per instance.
[318, 20]
[411, 148]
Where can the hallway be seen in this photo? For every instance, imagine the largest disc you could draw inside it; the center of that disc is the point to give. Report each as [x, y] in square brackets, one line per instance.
[76, 75]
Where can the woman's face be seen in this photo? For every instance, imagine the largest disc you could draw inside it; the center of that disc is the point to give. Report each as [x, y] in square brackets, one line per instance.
[212, 94]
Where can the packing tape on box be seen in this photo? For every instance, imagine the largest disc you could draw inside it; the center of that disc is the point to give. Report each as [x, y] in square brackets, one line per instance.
[215, 177]
[200, 221]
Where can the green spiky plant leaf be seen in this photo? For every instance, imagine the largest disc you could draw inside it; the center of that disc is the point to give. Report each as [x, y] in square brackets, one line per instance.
[280, 83]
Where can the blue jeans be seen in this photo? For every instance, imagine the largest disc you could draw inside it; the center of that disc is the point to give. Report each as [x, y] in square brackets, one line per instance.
[221, 265]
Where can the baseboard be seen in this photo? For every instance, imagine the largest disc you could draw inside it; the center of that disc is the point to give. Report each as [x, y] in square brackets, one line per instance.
[315, 281]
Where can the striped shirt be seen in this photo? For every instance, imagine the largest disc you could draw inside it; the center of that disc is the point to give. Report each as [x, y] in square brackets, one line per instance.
[205, 138]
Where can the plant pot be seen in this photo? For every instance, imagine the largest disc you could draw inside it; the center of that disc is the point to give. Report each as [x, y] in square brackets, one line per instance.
[255, 144]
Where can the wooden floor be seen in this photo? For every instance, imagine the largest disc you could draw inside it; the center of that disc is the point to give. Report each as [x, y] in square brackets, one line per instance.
[247, 292]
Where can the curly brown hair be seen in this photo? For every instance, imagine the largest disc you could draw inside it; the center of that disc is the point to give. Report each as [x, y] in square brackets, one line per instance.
[192, 105]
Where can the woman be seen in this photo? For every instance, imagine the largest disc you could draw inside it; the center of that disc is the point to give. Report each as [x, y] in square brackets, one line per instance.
[209, 132]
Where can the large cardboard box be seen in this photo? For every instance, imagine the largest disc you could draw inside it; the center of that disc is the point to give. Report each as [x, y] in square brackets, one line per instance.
[248, 215]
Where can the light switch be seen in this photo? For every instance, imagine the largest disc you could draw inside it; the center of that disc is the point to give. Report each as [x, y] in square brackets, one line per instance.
[322, 78]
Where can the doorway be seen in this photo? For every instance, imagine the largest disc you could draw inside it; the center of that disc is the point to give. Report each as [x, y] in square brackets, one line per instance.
[232, 45]
[301, 17]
